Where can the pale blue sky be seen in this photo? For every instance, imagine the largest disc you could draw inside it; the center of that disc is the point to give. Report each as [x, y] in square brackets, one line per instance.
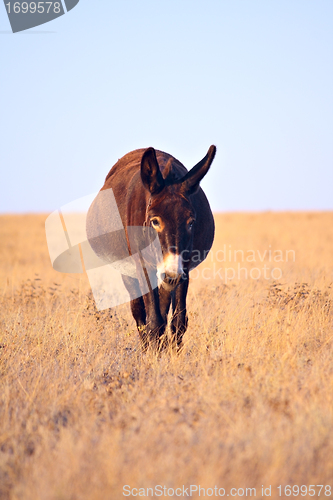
[254, 77]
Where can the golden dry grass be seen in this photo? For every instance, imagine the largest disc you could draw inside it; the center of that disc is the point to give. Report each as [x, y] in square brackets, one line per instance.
[249, 401]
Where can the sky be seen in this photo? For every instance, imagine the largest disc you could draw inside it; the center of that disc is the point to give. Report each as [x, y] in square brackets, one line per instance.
[253, 77]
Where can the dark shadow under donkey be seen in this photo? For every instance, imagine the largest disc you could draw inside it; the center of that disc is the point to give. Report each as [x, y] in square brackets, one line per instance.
[155, 193]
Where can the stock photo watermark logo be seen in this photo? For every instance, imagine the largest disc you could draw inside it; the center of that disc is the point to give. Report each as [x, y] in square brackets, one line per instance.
[25, 15]
[240, 264]
[72, 250]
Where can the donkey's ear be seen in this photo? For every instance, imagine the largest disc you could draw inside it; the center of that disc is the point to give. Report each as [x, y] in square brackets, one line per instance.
[150, 172]
[192, 179]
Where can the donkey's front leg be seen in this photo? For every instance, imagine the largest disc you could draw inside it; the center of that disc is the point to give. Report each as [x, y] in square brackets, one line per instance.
[155, 322]
[179, 315]
[145, 305]
[137, 307]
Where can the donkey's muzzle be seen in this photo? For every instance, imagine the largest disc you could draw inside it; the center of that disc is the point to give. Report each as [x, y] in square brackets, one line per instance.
[171, 271]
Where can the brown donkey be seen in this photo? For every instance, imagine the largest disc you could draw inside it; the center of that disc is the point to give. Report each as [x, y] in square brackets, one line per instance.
[157, 196]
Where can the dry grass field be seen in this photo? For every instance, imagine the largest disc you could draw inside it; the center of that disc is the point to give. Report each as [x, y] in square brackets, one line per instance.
[247, 403]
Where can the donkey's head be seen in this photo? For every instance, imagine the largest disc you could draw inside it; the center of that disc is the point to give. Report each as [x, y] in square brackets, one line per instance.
[171, 212]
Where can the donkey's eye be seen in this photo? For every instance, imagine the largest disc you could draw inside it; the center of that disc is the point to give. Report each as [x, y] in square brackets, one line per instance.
[191, 224]
[155, 223]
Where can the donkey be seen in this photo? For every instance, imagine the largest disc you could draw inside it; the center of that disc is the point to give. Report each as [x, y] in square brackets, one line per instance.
[155, 192]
